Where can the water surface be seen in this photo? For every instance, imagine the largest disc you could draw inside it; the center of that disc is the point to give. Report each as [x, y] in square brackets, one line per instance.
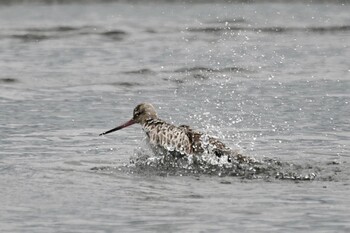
[270, 79]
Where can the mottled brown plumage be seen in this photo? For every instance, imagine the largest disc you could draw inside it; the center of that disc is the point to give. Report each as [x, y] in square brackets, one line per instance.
[181, 139]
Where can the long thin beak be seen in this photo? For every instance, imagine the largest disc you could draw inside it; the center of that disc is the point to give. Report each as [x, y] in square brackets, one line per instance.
[126, 124]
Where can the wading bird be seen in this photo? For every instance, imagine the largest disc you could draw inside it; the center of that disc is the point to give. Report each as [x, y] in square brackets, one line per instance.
[179, 139]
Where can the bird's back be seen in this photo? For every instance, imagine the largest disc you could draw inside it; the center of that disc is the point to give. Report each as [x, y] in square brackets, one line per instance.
[168, 136]
[182, 139]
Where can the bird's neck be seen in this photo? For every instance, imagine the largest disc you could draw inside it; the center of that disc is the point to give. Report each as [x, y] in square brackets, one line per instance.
[151, 122]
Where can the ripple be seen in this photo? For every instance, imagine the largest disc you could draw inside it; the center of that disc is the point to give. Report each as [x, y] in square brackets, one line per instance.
[210, 70]
[8, 80]
[126, 84]
[62, 32]
[30, 37]
[114, 34]
[275, 29]
[59, 29]
[140, 71]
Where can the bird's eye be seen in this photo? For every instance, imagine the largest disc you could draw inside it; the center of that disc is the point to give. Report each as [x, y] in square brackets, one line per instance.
[137, 113]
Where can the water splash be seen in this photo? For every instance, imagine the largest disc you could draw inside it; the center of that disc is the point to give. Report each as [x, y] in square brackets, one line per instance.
[209, 164]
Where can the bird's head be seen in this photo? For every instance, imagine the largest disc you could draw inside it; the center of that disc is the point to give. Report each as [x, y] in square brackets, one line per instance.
[142, 113]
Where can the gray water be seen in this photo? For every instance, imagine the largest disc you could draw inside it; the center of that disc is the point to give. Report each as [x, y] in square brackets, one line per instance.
[269, 79]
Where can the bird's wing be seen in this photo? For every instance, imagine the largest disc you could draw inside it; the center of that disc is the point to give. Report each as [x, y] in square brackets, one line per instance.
[194, 139]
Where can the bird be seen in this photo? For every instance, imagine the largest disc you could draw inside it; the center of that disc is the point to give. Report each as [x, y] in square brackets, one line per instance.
[180, 140]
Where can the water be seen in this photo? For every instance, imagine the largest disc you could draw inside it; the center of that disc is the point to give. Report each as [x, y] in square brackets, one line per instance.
[270, 79]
